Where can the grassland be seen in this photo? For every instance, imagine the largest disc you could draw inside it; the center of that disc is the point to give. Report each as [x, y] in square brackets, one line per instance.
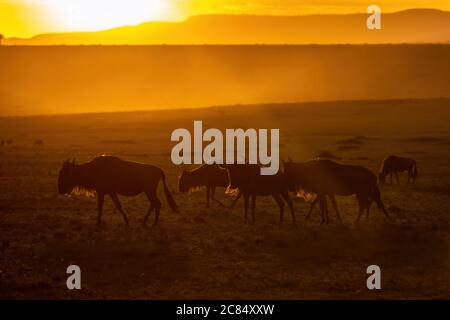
[208, 252]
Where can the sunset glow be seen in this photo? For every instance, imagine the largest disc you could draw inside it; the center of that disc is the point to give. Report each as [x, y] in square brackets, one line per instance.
[26, 18]
[104, 14]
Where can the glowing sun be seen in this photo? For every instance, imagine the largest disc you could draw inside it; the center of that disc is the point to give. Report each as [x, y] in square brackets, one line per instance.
[103, 14]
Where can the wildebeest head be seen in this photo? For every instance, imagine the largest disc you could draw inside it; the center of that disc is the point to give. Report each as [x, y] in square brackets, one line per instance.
[240, 175]
[66, 178]
[185, 182]
[382, 176]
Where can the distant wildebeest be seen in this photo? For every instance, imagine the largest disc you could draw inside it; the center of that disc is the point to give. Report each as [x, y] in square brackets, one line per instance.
[248, 180]
[209, 176]
[107, 175]
[394, 165]
[328, 178]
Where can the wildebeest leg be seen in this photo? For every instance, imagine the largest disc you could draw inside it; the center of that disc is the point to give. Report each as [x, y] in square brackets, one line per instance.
[280, 203]
[253, 207]
[361, 208]
[149, 212]
[208, 191]
[288, 200]
[380, 204]
[246, 196]
[333, 202]
[311, 208]
[324, 209]
[368, 209]
[236, 200]
[396, 177]
[157, 210]
[116, 201]
[213, 192]
[101, 200]
[391, 177]
[155, 204]
[382, 208]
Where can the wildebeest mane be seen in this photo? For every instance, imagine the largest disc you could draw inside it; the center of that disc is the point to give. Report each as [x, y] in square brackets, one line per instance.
[231, 191]
[82, 191]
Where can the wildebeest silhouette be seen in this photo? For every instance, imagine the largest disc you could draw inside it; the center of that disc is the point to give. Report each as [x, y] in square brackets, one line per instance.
[328, 178]
[248, 180]
[108, 175]
[394, 165]
[209, 176]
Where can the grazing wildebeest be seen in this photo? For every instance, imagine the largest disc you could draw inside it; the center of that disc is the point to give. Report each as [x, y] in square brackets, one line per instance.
[207, 175]
[112, 176]
[394, 165]
[328, 178]
[248, 180]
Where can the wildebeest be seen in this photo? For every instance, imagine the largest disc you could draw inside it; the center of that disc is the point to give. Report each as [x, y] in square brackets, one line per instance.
[328, 178]
[248, 180]
[209, 176]
[107, 175]
[394, 165]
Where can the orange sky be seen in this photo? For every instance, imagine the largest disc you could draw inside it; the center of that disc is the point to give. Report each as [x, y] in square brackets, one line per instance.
[25, 18]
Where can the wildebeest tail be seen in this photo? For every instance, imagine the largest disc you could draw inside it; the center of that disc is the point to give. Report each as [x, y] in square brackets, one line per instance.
[169, 197]
[415, 173]
[376, 197]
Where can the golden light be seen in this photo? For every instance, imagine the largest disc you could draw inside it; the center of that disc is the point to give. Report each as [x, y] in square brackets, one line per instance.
[94, 15]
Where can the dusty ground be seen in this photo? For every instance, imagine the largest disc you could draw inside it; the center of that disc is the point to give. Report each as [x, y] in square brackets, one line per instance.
[209, 252]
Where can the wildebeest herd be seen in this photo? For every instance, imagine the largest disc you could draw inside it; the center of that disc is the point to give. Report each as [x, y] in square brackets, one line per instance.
[112, 176]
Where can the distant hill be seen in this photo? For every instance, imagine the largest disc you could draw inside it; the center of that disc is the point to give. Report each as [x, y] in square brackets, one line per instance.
[410, 26]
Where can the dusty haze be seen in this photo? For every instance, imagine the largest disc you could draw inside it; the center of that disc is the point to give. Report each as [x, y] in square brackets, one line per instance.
[44, 80]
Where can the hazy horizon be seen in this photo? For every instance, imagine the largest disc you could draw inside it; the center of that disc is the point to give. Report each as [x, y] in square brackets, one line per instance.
[186, 18]
[25, 18]
[421, 25]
